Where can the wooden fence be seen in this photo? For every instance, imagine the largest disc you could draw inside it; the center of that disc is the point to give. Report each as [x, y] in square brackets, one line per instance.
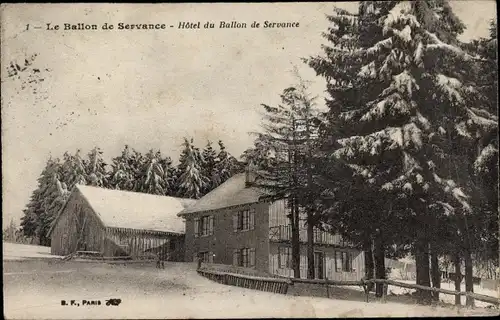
[280, 285]
[275, 285]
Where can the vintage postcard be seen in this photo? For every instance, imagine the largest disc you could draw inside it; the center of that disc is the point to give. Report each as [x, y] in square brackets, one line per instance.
[250, 160]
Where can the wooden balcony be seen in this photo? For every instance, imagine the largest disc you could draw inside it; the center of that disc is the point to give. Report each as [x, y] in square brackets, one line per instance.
[284, 234]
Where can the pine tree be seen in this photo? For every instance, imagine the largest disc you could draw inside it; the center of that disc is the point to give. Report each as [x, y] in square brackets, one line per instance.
[29, 220]
[209, 168]
[153, 176]
[74, 170]
[121, 175]
[306, 118]
[9, 233]
[258, 155]
[190, 181]
[399, 88]
[486, 163]
[95, 168]
[283, 151]
[125, 172]
[477, 162]
[45, 203]
[169, 176]
[226, 165]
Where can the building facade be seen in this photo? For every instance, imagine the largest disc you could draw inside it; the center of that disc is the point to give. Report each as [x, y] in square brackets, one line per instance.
[119, 223]
[232, 225]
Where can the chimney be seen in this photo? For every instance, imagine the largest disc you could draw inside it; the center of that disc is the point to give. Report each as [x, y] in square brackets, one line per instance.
[250, 174]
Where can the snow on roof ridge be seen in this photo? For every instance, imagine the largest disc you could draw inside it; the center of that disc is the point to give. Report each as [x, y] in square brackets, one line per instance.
[136, 210]
[134, 192]
[232, 192]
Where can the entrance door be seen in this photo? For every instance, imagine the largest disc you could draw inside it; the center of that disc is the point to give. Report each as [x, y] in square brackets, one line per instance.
[318, 265]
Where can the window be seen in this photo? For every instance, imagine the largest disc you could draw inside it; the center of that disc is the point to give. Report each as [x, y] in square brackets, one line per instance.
[244, 257]
[204, 226]
[343, 261]
[206, 256]
[244, 220]
[317, 235]
[347, 262]
[284, 257]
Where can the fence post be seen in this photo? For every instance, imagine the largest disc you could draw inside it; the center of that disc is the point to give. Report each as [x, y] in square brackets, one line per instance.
[384, 292]
[327, 289]
[366, 289]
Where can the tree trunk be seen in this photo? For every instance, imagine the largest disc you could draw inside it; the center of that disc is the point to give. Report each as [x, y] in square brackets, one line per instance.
[469, 284]
[435, 272]
[458, 277]
[369, 263]
[310, 246]
[422, 264]
[379, 255]
[295, 240]
[310, 213]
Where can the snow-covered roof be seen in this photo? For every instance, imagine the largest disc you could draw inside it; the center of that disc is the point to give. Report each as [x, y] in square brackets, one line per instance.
[124, 209]
[231, 193]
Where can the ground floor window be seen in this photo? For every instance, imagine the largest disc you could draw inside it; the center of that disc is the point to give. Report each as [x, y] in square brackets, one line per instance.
[343, 261]
[284, 257]
[244, 257]
[206, 256]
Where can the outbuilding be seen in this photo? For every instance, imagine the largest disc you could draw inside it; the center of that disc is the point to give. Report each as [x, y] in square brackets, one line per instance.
[120, 223]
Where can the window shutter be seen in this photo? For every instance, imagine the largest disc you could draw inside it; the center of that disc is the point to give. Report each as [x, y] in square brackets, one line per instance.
[252, 257]
[252, 219]
[236, 257]
[235, 222]
[282, 258]
[351, 258]
[196, 227]
[211, 225]
[338, 261]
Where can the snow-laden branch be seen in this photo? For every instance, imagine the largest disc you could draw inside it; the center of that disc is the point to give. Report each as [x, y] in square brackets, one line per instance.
[438, 44]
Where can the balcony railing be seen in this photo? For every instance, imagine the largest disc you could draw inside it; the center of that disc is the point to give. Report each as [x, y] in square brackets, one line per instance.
[284, 234]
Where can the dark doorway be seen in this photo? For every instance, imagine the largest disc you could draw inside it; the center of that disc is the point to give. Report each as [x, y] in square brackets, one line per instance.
[318, 265]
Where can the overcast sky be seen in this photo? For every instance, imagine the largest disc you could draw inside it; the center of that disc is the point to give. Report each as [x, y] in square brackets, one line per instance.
[150, 88]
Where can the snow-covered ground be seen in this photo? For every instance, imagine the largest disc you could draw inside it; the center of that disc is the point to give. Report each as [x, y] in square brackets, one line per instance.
[446, 297]
[33, 289]
[16, 251]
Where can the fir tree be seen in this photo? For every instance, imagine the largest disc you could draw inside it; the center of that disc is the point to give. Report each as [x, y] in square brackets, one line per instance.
[29, 220]
[168, 176]
[74, 170]
[153, 174]
[226, 165]
[9, 233]
[190, 182]
[399, 88]
[258, 155]
[45, 203]
[283, 154]
[125, 173]
[121, 175]
[209, 168]
[96, 168]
